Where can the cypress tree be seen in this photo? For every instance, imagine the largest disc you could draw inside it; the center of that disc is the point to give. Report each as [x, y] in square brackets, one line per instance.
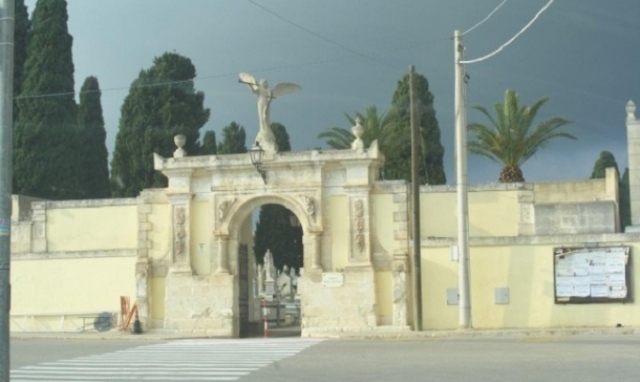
[432, 152]
[233, 140]
[625, 200]
[45, 133]
[605, 160]
[282, 137]
[94, 169]
[209, 146]
[162, 102]
[21, 31]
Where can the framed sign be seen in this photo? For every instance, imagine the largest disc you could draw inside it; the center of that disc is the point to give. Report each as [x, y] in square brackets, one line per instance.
[592, 275]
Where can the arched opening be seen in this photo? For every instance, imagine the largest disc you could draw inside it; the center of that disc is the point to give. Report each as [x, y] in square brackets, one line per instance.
[270, 260]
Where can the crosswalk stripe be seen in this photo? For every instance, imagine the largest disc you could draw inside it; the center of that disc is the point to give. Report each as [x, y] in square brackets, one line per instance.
[181, 360]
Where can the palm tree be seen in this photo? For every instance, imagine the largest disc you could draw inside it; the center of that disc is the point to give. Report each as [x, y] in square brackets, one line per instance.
[377, 126]
[511, 140]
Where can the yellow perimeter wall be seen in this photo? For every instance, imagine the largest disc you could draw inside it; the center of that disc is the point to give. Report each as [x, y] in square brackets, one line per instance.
[71, 286]
[92, 228]
[491, 213]
[160, 234]
[528, 273]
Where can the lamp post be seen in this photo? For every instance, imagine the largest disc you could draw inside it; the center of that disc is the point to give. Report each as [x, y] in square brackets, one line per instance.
[257, 153]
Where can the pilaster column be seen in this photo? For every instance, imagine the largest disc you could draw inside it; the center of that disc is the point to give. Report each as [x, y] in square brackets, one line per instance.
[143, 264]
[359, 218]
[223, 253]
[181, 228]
[633, 155]
[316, 259]
[39, 228]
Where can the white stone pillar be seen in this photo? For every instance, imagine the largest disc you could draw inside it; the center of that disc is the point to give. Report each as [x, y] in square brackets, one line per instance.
[633, 156]
[316, 263]
[223, 253]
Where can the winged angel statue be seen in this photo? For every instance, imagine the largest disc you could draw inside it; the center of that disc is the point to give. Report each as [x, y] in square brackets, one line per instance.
[265, 95]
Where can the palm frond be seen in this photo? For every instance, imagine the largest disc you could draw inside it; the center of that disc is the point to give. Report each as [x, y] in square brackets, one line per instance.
[512, 139]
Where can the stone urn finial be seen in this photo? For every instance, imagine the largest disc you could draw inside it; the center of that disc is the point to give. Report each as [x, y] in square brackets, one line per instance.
[180, 141]
[631, 111]
[357, 131]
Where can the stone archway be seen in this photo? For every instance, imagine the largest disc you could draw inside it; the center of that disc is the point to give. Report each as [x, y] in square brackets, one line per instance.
[333, 195]
[240, 237]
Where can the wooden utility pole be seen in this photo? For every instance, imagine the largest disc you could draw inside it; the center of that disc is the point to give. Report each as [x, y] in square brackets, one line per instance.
[415, 183]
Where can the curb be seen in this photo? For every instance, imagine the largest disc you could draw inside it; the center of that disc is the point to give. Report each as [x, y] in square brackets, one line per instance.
[154, 335]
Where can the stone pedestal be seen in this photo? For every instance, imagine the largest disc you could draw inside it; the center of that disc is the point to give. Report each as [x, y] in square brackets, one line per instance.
[202, 305]
[350, 307]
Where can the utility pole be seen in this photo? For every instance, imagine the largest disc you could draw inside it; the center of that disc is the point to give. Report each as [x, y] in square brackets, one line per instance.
[6, 122]
[464, 289]
[415, 183]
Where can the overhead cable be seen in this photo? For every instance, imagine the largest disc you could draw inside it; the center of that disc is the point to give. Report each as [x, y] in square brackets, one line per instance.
[321, 36]
[512, 38]
[485, 19]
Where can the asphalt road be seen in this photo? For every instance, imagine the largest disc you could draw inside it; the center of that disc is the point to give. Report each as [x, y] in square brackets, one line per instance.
[554, 358]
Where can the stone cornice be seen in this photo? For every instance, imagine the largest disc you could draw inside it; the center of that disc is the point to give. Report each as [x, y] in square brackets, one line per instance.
[74, 255]
[604, 239]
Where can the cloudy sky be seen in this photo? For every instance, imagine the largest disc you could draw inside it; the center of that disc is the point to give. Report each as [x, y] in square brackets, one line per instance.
[349, 54]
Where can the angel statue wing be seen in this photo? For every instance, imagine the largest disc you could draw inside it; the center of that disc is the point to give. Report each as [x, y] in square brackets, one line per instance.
[284, 88]
[248, 79]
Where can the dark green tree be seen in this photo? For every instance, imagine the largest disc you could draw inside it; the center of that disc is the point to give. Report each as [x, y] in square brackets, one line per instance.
[162, 102]
[45, 133]
[274, 230]
[21, 31]
[94, 165]
[209, 145]
[605, 161]
[510, 139]
[282, 137]
[431, 151]
[233, 140]
[625, 200]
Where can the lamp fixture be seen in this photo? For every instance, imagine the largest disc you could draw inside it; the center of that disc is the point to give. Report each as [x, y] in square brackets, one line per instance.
[257, 153]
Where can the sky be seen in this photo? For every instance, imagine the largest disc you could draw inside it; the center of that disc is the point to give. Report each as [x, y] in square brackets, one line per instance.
[349, 54]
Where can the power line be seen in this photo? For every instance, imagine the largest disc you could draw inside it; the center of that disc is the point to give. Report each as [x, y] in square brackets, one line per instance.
[512, 38]
[485, 19]
[321, 36]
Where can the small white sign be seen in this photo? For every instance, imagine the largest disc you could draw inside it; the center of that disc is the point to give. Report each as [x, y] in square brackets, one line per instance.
[333, 279]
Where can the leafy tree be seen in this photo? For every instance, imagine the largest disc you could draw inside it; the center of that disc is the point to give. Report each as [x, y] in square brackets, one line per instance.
[209, 146]
[233, 140]
[45, 156]
[94, 172]
[274, 230]
[510, 139]
[399, 158]
[162, 102]
[605, 161]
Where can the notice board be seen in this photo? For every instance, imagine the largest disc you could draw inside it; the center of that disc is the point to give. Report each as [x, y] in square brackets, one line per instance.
[592, 275]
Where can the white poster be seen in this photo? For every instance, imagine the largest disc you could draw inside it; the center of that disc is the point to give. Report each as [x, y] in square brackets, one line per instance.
[598, 273]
